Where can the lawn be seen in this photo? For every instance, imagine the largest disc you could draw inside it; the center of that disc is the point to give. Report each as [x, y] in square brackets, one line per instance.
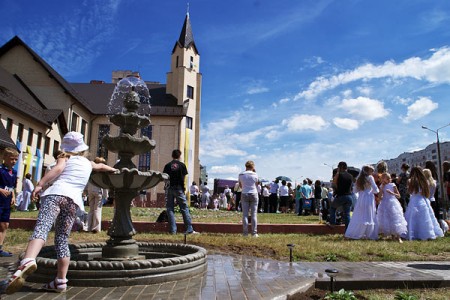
[198, 215]
[308, 247]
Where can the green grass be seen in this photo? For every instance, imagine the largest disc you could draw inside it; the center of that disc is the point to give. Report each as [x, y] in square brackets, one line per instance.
[198, 215]
[308, 247]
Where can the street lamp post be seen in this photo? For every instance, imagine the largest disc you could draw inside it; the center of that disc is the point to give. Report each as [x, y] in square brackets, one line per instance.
[332, 168]
[441, 183]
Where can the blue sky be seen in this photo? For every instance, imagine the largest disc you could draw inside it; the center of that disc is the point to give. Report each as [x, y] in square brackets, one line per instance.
[292, 85]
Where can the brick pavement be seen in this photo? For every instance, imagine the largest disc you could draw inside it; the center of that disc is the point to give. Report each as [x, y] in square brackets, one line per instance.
[242, 277]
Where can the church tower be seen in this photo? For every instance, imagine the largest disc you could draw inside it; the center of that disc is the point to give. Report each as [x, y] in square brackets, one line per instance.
[184, 82]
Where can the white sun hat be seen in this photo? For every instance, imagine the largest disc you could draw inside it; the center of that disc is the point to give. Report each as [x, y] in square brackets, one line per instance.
[73, 142]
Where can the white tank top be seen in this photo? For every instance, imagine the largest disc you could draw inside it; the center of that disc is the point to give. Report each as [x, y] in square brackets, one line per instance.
[72, 180]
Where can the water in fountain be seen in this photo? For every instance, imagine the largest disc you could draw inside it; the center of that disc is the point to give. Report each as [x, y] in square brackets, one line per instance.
[122, 89]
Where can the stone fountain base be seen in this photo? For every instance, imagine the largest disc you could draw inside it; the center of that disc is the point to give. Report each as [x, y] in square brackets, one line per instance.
[156, 263]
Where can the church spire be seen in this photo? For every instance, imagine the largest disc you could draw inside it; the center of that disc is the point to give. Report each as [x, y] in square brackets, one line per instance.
[186, 36]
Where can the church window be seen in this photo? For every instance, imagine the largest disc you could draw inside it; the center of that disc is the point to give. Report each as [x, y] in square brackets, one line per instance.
[190, 92]
[189, 122]
[145, 158]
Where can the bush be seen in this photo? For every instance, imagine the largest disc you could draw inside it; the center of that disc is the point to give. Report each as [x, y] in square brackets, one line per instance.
[405, 296]
[331, 257]
[341, 295]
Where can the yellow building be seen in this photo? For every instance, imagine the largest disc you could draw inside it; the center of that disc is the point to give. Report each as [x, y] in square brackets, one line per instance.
[38, 106]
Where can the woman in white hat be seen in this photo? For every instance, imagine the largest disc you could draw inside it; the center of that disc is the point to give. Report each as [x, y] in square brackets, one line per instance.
[60, 201]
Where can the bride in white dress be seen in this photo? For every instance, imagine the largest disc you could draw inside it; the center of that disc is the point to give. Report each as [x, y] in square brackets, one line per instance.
[422, 224]
[363, 224]
[390, 212]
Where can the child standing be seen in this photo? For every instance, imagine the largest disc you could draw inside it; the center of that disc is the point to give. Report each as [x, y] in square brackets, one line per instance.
[27, 189]
[363, 224]
[8, 182]
[422, 224]
[284, 196]
[60, 202]
[390, 212]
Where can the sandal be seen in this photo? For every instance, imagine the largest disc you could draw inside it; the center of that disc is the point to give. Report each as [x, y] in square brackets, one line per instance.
[54, 286]
[18, 279]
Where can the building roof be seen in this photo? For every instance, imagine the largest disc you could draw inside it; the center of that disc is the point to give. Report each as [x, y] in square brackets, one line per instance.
[97, 95]
[5, 139]
[16, 95]
[93, 96]
[16, 41]
[186, 38]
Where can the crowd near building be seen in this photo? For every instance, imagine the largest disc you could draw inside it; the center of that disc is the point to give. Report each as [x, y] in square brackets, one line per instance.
[38, 106]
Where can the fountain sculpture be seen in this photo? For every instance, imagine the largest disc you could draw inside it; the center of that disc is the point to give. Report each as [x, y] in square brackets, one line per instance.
[122, 260]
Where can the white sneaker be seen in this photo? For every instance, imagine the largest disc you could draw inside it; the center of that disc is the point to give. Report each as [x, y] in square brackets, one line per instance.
[255, 235]
[193, 232]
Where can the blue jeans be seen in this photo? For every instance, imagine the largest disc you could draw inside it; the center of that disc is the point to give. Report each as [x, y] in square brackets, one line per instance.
[346, 202]
[249, 202]
[298, 206]
[177, 193]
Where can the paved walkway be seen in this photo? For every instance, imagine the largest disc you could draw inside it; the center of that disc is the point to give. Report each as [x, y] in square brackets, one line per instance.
[241, 277]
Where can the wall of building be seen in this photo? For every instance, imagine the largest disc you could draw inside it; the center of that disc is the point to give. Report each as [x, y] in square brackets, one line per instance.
[30, 164]
[418, 158]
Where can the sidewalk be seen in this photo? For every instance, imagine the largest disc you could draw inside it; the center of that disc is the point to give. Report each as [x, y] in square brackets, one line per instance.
[242, 277]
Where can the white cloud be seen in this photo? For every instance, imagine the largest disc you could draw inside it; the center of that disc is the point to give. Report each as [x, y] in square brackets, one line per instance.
[313, 62]
[257, 90]
[305, 122]
[272, 135]
[364, 108]
[228, 169]
[420, 108]
[435, 69]
[365, 90]
[217, 151]
[402, 101]
[347, 93]
[73, 40]
[345, 123]
[284, 100]
[333, 101]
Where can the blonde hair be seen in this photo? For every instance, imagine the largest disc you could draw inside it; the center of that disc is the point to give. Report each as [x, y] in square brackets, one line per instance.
[250, 164]
[386, 175]
[99, 160]
[69, 154]
[429, 177]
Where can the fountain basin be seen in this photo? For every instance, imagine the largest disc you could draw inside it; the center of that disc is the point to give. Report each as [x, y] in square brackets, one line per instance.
[128, 179]
[163, 262]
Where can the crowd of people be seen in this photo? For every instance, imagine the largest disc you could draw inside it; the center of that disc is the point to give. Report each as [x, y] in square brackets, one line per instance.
[409, 211]
[374, 202]
[371, 204]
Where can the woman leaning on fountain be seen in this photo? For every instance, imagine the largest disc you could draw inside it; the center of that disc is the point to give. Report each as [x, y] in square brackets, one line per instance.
[69, 177]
